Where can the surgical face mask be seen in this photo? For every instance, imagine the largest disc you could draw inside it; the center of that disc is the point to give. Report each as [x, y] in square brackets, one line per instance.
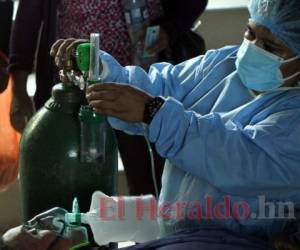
[259, 69]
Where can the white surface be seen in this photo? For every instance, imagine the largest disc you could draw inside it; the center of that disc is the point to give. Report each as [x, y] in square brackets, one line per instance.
[226, 4]
[31, 86]
[125, 244]
[223, 27]
[120, 164]
[122, 228]
[16, 4]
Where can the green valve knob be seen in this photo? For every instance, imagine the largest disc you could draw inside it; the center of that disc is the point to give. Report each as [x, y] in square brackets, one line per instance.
[83, 56]
[75, 216]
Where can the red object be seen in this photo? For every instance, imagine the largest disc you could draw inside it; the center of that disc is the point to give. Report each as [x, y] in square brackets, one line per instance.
[9, 142]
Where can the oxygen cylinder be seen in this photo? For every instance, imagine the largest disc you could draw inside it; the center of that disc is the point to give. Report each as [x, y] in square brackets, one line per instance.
[51, 172]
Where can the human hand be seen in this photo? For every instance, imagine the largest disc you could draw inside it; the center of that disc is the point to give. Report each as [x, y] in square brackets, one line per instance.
[118, 100]
[22, 107]
[62, 50]
[20, 239]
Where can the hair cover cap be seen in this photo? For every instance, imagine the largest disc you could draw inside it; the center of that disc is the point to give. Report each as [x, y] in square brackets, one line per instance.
[281, 17]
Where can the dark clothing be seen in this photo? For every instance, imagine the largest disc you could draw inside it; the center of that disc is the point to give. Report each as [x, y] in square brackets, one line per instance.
[202, 239]
[34, 15]
[6, 12]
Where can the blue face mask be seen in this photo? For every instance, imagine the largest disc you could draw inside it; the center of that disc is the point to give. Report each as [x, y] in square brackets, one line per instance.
[259, 69]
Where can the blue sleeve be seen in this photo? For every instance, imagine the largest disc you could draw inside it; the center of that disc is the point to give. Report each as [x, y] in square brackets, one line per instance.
[163, 79]
[233, 158]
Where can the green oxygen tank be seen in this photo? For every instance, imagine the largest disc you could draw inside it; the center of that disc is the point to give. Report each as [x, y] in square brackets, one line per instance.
[52, 168]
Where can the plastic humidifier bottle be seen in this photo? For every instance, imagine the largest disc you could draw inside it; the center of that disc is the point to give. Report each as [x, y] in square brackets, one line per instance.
[114, 219]
[92, 125]
[92, 136]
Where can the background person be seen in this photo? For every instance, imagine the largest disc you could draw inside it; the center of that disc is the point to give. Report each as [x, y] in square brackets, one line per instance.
[9, 138]
[66, 18]
[6, 12]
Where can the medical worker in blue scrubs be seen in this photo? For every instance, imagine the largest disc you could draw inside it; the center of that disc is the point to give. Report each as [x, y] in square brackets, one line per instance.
[228, 122]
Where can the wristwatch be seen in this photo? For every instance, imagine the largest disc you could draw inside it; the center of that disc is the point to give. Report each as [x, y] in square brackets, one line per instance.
[152, 106]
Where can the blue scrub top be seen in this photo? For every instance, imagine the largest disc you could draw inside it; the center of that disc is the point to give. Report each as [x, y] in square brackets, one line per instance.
[236, 154]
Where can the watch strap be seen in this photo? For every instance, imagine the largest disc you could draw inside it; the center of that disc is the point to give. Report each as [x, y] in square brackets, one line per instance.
[152, 106]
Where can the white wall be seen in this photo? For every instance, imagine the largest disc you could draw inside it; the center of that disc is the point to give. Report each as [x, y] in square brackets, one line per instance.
[223, 27]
